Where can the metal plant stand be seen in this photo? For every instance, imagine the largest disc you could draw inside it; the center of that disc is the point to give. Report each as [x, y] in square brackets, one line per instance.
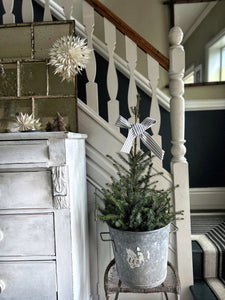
[112, 283]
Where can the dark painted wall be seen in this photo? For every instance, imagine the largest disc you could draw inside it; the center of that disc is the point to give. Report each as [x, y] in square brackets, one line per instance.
[17, 10]
[205, 135]
[205, 130]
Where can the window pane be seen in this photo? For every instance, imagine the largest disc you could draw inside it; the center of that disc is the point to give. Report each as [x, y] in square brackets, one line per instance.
[8, 111]
[8, 80]
[33, 78]
[223, 64]
[214, 64]
[189, 78]
[46, 110]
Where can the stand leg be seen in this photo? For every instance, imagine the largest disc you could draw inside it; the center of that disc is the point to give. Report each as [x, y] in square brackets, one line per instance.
[118, 290]
[166, 296]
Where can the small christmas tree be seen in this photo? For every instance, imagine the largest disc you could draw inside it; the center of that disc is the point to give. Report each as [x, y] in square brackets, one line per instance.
[131, 201]
[57, 125]
[48, 126]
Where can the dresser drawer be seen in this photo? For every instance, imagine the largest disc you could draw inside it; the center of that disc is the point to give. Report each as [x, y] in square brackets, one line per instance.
[17, 152]
[27, 235]
[28, 280]
[25, 190]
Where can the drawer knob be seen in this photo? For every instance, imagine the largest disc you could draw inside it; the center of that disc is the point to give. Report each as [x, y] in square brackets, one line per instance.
[1, 235]
[2, 286]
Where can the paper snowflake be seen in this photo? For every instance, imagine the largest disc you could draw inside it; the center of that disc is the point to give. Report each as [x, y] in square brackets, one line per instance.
[25, 122]
[69, 55]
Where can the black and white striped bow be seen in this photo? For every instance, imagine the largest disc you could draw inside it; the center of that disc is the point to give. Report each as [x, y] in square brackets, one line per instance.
[139, 129]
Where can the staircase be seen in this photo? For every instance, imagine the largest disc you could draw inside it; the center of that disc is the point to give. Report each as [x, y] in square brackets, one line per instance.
[208, 264]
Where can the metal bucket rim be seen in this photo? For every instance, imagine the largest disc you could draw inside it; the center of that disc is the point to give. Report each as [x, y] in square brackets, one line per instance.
[140, 232]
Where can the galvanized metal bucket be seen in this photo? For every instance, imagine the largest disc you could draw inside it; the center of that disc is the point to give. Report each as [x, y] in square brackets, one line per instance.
[141, 257]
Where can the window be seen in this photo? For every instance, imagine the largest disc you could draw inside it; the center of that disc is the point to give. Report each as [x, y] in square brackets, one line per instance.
[216, 58]
[223, 64]
[189, 78]
[189, 75]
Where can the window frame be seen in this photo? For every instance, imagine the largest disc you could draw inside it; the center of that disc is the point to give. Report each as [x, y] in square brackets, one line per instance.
[209, 46]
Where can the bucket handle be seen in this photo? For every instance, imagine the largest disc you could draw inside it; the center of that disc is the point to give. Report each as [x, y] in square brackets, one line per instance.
[107, 240]
[175, 228]
[102, 238]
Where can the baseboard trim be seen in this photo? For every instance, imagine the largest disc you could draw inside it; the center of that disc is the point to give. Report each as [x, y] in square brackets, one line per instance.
[204, 104]
[203, 199]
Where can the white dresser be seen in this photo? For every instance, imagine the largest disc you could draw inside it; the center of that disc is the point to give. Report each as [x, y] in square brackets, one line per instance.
[43, 217]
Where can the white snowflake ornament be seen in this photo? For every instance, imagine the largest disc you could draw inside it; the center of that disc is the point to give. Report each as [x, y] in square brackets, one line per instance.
[25, 122]
[69, 55]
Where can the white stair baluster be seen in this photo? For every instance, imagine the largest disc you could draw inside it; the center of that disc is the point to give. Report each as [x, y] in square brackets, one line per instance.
[27, 11]
[47, 12]
[47, 78]
[91, 86]
[112, 79]
[131, 56]
[8, 17]
[153, 75]
[68, 8]
[177, 108]
[179, 166]
[18, 71]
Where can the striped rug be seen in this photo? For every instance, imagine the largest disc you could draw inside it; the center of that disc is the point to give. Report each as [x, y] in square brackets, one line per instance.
[213, 246]
[217, 237]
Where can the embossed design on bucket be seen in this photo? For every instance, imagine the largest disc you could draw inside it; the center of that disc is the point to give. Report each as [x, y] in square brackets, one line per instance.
[141, 257]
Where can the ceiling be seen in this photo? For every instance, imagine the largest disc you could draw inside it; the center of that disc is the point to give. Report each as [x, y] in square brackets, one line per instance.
[189, 15]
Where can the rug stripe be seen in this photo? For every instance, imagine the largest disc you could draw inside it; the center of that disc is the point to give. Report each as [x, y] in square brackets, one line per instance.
[217, 287]
[217, 236]
[210, 256]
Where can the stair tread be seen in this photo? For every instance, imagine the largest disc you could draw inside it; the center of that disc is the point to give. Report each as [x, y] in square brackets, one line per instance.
[196, 247]
[201, 291]
[197, 256]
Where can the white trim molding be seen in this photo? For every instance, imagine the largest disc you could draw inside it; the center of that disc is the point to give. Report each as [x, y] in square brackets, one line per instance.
[207, 198]
[204, 104]
[56, 10]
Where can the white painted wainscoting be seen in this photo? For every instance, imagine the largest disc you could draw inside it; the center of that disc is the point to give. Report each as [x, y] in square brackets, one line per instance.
[207, 198]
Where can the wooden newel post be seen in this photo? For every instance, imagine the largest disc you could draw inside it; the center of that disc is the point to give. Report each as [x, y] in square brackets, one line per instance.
[179, 165]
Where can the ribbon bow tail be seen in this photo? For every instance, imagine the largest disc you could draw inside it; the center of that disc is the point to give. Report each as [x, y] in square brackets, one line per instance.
[129, 142]
[122, 123]
[152, 145]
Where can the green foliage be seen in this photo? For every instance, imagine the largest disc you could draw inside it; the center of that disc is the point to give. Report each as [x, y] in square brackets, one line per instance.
[131, 201]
